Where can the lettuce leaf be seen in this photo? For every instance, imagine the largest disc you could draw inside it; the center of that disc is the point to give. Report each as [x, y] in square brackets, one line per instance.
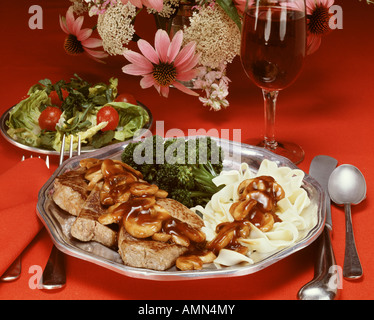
[102, 93]
[85, 137]
[26, 113]
[102, 139]
[131, 119]
[23, 119]
[24, 136]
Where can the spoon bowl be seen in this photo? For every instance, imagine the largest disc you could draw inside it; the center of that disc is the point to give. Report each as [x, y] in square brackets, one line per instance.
[347, 186]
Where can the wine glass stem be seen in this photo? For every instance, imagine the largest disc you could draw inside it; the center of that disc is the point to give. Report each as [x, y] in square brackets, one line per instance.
[270, 101]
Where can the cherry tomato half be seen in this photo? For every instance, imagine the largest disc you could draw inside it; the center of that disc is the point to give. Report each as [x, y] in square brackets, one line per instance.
[126, 97]
[110, 115]
[49, 118]
[55, 100]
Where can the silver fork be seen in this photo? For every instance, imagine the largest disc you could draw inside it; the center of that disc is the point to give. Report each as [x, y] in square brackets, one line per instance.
[54, 275]
[14, 270]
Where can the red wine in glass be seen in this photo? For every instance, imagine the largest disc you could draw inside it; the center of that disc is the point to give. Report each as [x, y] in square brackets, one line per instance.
[273, 49]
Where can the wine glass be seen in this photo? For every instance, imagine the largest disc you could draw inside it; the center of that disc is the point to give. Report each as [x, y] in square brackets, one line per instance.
[273, 45]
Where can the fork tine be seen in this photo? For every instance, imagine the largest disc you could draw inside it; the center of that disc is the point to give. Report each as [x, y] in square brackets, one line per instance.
[79, 144]
[47, 161]
[71, 146]
[62, 149]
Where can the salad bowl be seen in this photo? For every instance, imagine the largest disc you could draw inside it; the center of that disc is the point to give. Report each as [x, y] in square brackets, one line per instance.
[88, 148]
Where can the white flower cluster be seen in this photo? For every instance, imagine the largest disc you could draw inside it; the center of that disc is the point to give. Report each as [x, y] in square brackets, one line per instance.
[216, 35]
[214, 82]
[115, 27]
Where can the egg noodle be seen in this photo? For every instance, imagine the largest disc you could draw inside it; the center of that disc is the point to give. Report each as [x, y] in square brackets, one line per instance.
[295, 210]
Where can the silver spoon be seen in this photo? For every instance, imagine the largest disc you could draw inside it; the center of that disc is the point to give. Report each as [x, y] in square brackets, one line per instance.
[347, 186]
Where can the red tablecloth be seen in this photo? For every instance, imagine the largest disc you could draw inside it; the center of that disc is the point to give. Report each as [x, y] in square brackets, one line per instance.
[329, 110]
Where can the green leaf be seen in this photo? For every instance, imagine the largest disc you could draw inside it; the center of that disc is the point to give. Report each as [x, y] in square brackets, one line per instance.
[46, 82]
[131, 119]
[102, 138]
[100, 100]
[230, 9]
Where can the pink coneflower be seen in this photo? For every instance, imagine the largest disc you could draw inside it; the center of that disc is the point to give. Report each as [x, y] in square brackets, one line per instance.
[318, 22]
[78, 40]
[164, 65]
[153, 4]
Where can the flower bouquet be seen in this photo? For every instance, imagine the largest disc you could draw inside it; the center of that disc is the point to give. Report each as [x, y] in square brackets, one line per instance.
[194, 43]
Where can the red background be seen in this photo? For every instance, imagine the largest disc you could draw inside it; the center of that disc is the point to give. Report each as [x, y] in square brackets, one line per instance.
[329, 110]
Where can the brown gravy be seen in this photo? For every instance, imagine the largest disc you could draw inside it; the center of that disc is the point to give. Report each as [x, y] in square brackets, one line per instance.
[256, 205]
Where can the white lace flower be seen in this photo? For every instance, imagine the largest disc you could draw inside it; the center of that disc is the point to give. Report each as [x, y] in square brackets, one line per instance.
[216, 35]
[115, 27]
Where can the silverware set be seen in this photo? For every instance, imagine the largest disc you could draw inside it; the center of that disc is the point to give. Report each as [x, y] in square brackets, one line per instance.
[54, 275]
[344, 185]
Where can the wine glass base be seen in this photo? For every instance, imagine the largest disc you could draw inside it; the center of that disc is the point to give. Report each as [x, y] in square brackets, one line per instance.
[289, 150]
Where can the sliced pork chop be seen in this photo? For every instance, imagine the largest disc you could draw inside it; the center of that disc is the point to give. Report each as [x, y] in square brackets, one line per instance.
[147, 254]
[87, 227]
[152, 254]
[71, 191]
[181, 212]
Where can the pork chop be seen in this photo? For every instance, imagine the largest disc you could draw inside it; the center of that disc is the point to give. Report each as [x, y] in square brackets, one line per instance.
[70, 191]
[87, 227]
[147, 254]
[152, 254]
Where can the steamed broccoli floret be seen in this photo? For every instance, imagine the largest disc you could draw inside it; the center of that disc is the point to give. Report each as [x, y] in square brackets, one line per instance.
[178, 176]
[144, 156]
[191, 182]
[190, 198]
[175, 150]
[209, 152]
[204, 186]
[127, 155]
[184, 169]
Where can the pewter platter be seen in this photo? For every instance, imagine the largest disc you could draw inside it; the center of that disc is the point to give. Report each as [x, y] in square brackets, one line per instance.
[58, 223]
[4, 128]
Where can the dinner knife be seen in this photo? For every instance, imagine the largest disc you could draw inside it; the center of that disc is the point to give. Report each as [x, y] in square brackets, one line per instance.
[320, 169]
[323, 286]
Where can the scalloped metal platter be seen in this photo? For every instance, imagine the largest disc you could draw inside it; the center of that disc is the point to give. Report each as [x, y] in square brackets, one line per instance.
[58, 223]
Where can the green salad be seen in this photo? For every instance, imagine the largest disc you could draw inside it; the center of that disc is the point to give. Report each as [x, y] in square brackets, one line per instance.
[72, 108]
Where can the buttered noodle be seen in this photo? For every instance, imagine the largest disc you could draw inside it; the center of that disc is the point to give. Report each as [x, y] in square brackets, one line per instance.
[295, 212]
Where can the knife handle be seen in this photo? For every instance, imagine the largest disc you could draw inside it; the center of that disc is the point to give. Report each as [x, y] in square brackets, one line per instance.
[326, 257]
[325, 284]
